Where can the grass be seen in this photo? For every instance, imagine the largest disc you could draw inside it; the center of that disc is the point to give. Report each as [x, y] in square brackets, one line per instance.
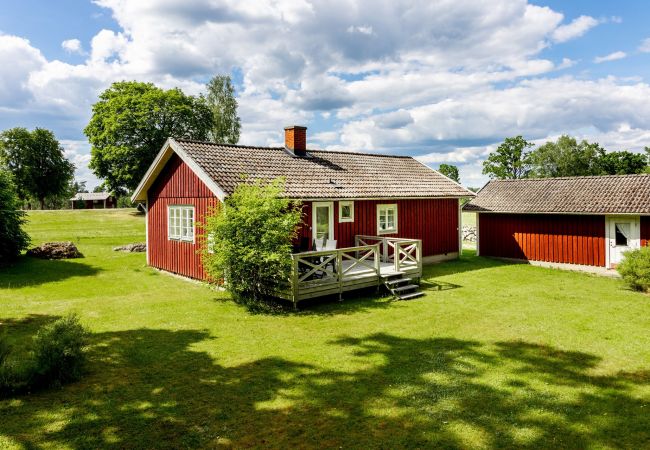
[503, 356]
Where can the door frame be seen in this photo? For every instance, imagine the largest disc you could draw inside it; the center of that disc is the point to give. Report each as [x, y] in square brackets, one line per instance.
[315, 205]
[610, 241]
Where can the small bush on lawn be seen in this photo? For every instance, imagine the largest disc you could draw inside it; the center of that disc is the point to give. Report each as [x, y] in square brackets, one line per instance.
[12, 378]
[59, 355]
[635, 269]
[250, 240]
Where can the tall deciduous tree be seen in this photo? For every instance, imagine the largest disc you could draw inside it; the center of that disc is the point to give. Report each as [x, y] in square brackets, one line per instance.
[566, 158]
[36, 160]
[221, 101]
[13, 238]
[622, 163]
[511, 160]
[450, 171]
[130, 123]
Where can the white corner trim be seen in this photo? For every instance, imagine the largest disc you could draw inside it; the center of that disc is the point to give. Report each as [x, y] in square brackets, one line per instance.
[169, 147]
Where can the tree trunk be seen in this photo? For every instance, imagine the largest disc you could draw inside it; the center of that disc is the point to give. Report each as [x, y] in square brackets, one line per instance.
[42, 200]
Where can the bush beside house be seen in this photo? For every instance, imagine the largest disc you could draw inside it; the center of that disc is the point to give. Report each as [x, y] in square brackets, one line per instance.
[250, 238]
[635, 269]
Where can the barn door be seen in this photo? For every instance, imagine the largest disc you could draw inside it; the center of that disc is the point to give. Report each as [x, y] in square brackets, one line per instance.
[623, 235]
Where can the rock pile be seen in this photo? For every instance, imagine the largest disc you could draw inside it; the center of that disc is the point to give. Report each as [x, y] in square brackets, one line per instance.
[55, 250]
[133, 248]
[469, 234]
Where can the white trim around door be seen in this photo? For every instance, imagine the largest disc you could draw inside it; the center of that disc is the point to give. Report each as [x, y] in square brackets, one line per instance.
[622, 233]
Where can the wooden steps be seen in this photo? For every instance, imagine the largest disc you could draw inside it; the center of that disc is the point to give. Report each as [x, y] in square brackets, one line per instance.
[400, 286]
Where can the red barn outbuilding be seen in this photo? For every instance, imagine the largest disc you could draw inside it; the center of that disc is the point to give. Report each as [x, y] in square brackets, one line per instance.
[584, 221]
[345, 195]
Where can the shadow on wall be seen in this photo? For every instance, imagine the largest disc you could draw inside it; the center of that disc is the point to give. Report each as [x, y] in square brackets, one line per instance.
[150, 387]
[32, 272]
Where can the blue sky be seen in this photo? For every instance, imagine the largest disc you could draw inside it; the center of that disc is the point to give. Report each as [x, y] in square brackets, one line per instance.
[444, 81]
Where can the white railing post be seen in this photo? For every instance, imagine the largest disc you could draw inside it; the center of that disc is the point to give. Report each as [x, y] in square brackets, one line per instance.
[294, 280]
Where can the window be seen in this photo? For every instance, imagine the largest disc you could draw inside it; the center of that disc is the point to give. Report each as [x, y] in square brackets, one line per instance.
[622, 233]
[386, 219]
[180, 223]
[346, 211]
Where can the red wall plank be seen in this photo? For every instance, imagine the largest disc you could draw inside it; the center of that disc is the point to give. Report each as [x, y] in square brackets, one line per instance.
[177, 185]
[571, 239]
[434, 221]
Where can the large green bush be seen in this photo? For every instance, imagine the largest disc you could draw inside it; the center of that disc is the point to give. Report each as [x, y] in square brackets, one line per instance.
[250, 240]
[59, 355]
[13, 239]
[635, 269]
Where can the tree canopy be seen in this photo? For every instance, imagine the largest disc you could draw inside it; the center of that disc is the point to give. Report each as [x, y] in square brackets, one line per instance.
[450, 171]
[131, 122]
[37, 163]
[621, 163]
[565, 158]
[221, 101]
[511, 160]
[250, 240]
[13, 239]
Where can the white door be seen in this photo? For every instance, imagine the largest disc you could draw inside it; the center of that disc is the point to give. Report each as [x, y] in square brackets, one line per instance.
[623, 235]
[323, 220]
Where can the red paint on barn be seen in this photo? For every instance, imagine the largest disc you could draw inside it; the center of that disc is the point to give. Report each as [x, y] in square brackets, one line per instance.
[434, 221]
[177, 185]
[570, 239]
[645, 230]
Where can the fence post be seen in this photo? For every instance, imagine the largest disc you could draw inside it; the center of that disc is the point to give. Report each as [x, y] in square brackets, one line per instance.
[294, 281]
[339, 272]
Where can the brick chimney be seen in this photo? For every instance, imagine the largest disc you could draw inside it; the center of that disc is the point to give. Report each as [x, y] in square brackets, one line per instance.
[295, 140]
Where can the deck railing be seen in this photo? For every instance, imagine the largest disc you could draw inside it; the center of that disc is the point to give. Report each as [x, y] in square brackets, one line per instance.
[326, 272]
[404, 253]
[329, 271]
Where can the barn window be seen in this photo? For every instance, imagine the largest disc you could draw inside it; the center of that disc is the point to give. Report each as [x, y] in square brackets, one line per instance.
[386, 219]
[180, 223]
[346, 211]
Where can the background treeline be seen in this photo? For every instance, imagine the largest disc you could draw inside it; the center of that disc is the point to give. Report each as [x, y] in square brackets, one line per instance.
[567, 157]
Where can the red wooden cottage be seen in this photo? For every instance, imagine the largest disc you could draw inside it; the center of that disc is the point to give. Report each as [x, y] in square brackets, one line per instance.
[588, 221]
[350, 198]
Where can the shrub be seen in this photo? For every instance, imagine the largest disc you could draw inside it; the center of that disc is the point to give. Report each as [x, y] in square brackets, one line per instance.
[250, 240]
[13, 238]
[12, 378]
[59, 355]
[635, 269]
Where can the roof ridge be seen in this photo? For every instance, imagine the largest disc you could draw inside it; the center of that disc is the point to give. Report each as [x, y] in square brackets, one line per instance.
[221, 144]
[582, 177]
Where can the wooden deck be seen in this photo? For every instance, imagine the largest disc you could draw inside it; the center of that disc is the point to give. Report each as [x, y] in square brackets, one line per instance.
[367, 264]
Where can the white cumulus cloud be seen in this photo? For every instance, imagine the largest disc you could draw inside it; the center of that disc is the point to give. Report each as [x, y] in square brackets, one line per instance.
[611, 57]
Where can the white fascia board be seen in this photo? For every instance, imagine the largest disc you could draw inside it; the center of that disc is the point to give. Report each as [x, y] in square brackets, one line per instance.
[169, 148]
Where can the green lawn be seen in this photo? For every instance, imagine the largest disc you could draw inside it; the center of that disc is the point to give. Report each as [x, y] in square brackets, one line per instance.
[503, 356]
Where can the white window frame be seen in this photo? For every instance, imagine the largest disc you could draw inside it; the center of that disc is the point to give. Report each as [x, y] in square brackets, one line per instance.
[349, 203]
[178, 218]
[386, 207]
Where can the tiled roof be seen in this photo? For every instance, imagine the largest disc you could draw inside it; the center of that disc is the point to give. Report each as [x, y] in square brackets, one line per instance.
[622, 194]
[91, 196]
[322, 174]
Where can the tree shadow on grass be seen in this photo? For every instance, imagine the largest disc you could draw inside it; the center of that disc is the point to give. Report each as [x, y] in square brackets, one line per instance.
[33, 272]
[152, 388]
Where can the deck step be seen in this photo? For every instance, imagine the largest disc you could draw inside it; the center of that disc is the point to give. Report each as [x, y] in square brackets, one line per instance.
[398, 281]
[410, 295]
[408, 287]
[386, 275]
